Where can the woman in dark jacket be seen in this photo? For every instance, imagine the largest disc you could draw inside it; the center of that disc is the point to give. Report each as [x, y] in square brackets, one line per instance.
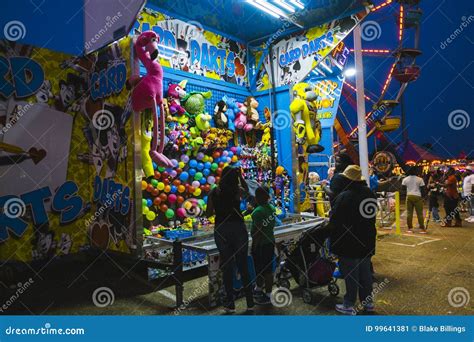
[230, 232]
[353, 239]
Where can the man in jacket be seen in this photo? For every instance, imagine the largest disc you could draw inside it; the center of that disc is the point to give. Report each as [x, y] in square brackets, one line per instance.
[353, 239]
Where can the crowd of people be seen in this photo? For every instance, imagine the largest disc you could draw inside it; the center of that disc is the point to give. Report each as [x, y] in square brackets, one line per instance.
[352, 232]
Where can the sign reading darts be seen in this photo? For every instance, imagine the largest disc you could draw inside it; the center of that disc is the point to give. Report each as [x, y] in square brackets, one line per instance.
[308, 49]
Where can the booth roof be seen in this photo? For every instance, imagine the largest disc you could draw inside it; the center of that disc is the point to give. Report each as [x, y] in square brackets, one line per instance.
[412, 151]
[239, 19]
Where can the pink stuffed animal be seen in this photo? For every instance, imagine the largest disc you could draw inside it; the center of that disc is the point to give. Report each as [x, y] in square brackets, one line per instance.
[147, 91]
[241, 119]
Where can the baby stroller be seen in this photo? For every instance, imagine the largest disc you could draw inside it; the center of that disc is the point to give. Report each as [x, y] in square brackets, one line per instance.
[309, 262]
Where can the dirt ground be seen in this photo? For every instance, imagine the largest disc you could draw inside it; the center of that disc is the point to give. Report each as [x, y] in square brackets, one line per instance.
[417, 274]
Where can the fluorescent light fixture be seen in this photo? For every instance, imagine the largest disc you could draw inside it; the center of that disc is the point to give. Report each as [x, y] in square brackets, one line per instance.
[297, 3]
[284, 5]
[272, 8]
[349, 72]
[262, 8]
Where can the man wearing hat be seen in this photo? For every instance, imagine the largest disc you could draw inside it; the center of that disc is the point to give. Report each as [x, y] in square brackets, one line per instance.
[353, 239]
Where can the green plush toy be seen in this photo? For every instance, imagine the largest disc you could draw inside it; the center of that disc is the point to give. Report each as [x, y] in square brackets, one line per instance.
[194, 102]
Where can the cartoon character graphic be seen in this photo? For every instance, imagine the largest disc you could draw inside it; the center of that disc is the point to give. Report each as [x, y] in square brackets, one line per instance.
[69, 91]
[45, 93]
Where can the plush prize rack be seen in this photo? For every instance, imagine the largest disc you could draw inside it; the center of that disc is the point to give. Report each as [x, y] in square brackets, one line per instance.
[107, 196]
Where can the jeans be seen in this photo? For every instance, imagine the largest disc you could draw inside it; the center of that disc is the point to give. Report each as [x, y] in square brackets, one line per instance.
[414, 202]
[358, 279]
[435, 212]
[233, 243]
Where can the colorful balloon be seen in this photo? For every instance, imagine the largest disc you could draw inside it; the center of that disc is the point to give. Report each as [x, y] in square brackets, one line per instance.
[172, 198]
[198, 176]
[184, 176]
[193, 163]
[211, 180]
[169, 213]
[181, 212]
[192, 172]
[150, 215]
[144, 185]
[195, 184]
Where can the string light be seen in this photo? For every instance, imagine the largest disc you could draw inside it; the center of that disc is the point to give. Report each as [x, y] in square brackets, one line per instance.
[400, 31]
[376, 8]
[375, 51]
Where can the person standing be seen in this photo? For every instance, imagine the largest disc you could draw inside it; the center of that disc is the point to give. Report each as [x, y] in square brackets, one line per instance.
[467, 185]
[414, 188]
[451, 200]
[434, 192]
[352, 239]
[338, 182]
[263, 245]
[230, 233]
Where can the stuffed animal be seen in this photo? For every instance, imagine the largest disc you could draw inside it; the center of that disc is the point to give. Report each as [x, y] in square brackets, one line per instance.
[176, 93]
[251, 105]
[195, 102]
[147, 92]
[232, 110]
[146, 137]
[203, 122]
[303, 110]
[220, 119]
[241, 121]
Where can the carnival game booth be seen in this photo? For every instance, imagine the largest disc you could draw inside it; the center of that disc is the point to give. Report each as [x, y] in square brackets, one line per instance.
[88, 170]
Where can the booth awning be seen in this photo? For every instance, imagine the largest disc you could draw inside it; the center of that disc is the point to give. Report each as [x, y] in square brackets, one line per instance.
[414, 152]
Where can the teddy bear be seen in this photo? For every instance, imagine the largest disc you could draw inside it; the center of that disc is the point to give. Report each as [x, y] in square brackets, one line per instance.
[241, 121]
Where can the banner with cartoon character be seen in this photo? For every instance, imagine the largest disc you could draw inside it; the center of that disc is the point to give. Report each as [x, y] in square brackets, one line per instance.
[66, 168]
[294, 57]
[186, 46]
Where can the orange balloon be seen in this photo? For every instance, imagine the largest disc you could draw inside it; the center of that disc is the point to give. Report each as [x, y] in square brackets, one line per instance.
[176, 182]
[157, 201]
[181, 188]
[191, 189]
[163, 207]
[180, 199]
[149, 188]
[167, 188]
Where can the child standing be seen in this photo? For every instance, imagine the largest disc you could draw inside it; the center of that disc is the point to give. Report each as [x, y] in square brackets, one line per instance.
[263, 244]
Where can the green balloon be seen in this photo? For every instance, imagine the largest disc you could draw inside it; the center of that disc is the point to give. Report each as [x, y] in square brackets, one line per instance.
[154, 182]
[144, 203]
[214, 166]
[198, 176]
[169, 213]
[161, 168]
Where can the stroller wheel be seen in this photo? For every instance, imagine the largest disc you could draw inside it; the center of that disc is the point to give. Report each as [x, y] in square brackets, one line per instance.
[333, 289]
[284, 283]
[307, 296]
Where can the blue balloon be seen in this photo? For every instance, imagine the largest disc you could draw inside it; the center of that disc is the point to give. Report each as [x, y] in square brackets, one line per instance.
[149, 202]
[192, 172]
[207, 165]
[193, 163]
[184, 176]
[230, 154]
[206, 172]
[174, 188]
[154, 165]
[203, 180]
[205, 199]
[239, 150]
[200, 166]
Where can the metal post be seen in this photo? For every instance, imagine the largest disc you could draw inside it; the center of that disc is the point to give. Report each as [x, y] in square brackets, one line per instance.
[397, 213]
[361, 122]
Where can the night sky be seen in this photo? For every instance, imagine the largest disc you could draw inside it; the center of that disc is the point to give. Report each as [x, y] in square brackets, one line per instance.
[447, 75]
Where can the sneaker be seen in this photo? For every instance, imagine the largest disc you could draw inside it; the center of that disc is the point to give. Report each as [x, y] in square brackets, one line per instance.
[229, 308]
[346, 310]
[264, 299]
[369, 308]
[410, 231]
[470, 219]
[423, 231]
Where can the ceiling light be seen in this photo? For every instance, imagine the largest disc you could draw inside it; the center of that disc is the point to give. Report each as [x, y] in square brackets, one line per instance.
[284, 5]
[266, 10]
[272, 8]
[297, 3]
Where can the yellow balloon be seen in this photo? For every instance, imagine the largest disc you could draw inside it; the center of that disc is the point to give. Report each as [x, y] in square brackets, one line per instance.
[144, 185]
[181, 165]
[197, 192]
[150, 216]
[145, 210]
[161, 186]
[187, 205]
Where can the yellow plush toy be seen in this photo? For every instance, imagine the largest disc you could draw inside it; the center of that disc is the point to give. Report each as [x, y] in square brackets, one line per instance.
[303, 111]
[146, 136]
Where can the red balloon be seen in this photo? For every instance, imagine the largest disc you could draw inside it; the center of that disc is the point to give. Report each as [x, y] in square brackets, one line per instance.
[216, 154]
[157, 201]
[157, 175]
[221, 164]
[218, 179]
[176, 182]
[155, 192]
[178, 170]
[149, 188]
[166, 181]
[180, 199]
[165, 175]
[219, 171]
[163, 207]
[163, 197]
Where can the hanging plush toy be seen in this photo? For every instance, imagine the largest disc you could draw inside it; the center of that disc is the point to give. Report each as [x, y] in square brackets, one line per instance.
[232, 110]
[220, 119]
[251, 104]
[306, 125]
[241, 121]
[195, 105]
[147, 92]
[176, 93]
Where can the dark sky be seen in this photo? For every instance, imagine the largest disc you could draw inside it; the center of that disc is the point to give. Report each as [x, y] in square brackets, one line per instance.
[445, 85]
